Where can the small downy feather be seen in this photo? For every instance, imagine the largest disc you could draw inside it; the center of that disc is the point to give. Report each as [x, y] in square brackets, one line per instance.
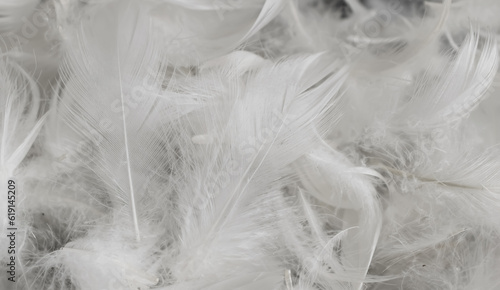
[353, 193]
[461, 87]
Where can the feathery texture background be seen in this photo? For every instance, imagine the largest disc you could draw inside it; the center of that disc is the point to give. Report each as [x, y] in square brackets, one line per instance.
[249, 144]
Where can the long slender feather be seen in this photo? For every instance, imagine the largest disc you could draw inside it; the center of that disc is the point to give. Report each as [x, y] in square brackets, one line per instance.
[106, 100]
[265, 113]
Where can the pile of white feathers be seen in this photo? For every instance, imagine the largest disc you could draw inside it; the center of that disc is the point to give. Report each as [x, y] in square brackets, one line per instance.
[250, 144]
